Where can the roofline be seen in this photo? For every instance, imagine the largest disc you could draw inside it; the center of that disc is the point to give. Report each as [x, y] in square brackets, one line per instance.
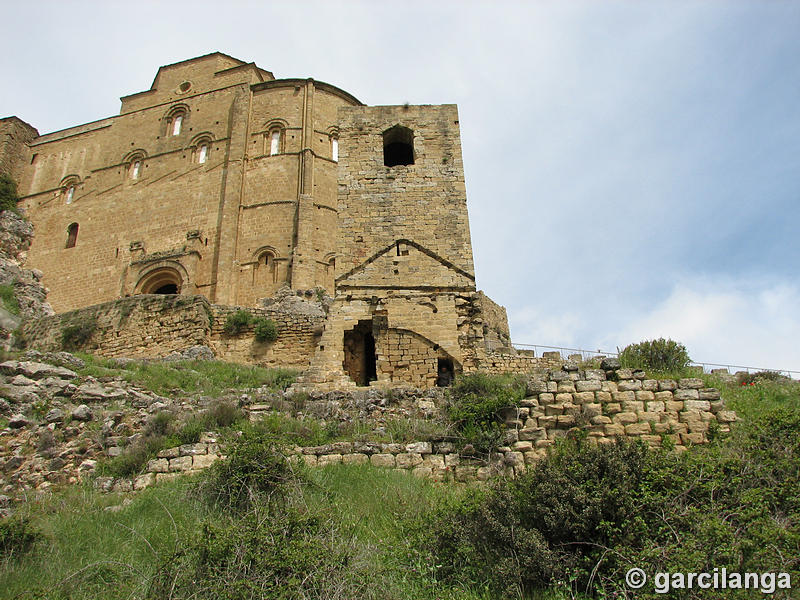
[317, 84]
[188, 60]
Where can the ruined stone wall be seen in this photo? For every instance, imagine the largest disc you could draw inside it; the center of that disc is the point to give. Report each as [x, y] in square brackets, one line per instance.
[602, 404]
[297, 336]
[138, 327]
[14, 136]
[151, 326]
[495, 323]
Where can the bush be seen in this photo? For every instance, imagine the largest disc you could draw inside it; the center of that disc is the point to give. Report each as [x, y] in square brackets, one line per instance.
[587, 514]
[655, 355]
[75, 336]
[475, 403]
[8, 193]
[256, 467]
[265, 330]
[237, 321]
[17, 536]
[282, 554]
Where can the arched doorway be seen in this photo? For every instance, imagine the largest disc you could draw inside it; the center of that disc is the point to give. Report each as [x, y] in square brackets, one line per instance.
[161, 281]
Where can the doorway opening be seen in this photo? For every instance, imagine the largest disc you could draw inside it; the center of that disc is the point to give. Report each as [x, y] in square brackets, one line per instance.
[360, 362]
[444, 372]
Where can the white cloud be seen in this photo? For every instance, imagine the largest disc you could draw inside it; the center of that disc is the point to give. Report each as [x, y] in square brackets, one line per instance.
[728, 322]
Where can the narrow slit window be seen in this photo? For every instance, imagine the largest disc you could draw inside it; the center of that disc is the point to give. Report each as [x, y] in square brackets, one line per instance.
[335, 149]
[203, 155]
[70, 194]
[72, 235]
[176, 124]
[135, 169]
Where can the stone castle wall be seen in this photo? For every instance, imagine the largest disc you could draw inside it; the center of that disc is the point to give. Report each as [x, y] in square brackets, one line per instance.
[212, 209]
[151, 326]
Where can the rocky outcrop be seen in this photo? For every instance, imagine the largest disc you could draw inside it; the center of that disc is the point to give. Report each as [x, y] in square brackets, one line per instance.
[16, 234]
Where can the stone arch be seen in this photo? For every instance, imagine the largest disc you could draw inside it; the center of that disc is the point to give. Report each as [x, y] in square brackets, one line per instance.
[167, 277]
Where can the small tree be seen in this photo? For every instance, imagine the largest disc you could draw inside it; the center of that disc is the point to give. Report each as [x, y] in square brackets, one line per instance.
[655, 355]
[8, 193]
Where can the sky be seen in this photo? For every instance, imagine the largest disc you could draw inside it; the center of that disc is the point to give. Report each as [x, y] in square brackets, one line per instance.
[632, 168]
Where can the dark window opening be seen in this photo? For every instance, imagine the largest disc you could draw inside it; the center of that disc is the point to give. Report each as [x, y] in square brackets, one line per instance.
[169, 288]
[72, 235]
[360, 362]
[398, 146]
[445, 372]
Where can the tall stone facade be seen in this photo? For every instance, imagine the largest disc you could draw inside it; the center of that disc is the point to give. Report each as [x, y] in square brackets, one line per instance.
[224, 182]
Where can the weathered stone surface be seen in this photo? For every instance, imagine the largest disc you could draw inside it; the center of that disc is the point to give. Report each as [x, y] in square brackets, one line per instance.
[690, 383]
[638, 429]
[355, 459]
[329, 459]
[686, 394]
[382, 460]
[18, 421]
[158, 465]
[419, 447]
[182, 463]
[203, 461]
[82, 413]
[36, 370]
[408, 460]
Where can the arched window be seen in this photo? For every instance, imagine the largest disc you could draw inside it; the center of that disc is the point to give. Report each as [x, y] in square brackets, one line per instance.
[69, 186]
[135, 163]
[72, 235]
[201, 148]
[398, 146]
[335, 148]
[266, 259]
[175, 121]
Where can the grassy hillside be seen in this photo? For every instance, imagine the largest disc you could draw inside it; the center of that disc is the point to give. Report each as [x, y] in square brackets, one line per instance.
[570, 528]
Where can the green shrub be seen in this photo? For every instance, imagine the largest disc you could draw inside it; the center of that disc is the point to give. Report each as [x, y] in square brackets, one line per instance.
[9, 299]
[134, 457]
[75, 335]
[759, 376]
[265, 330]
[281, 554]
[8, 193]
[475, 403]
[17, 536]
[221, 414]
[655, 355]
[237, 321]
[255, 467]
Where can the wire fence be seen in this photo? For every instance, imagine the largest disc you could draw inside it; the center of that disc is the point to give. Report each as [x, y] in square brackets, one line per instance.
[589, 354]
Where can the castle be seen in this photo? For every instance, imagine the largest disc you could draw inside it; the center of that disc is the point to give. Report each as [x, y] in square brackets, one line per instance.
[223, 182]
